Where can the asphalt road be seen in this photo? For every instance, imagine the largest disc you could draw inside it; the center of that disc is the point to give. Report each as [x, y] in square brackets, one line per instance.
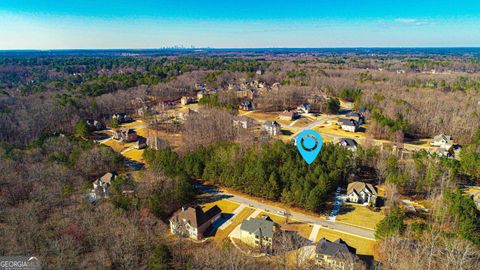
[357, 231]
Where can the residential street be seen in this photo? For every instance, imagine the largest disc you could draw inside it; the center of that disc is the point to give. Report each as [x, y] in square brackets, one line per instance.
[365, 233]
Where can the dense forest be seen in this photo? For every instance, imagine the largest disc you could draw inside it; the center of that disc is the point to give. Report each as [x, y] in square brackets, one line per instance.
[272, 171]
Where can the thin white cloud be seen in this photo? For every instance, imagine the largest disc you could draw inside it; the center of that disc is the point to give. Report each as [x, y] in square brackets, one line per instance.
[412, 21]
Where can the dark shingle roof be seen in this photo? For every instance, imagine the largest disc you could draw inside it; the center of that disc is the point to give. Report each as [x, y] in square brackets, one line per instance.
[336, 249]
[348, 142]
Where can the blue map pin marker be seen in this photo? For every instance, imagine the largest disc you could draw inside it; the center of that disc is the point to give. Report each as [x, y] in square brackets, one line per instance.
[309, 144]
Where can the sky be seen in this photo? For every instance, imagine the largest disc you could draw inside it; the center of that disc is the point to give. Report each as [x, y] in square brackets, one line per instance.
[112, 24]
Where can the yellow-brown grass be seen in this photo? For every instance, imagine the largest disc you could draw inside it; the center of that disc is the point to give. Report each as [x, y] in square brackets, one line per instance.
[225, 205]
[359, 215]
[135, 154]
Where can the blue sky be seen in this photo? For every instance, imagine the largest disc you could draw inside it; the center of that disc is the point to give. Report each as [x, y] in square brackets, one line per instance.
[63, 24]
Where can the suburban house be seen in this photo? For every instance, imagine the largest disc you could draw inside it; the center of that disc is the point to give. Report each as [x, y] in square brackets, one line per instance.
[304, 108]
[156, 143]
[360, 192]
[350, 144]
[442, 141]
[121, 118]
[242, 121]
[334, 255]
[257, 232]
[348, 124]
[125, 135]
[358, 117]
[193, 222]
[186, 100]
[95, 125]
[102, 183]
[271, 127]
[289, 115]
[247, 105]
[140, 143]
[184, 115]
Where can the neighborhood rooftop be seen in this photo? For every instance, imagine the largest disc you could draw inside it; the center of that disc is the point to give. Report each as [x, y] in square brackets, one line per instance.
[195, 215]
[258, 226]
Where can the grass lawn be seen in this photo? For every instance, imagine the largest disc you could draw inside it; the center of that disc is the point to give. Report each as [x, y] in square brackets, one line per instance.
[220, 235]
[263, 116]
[131, 124]
[135, 154]
[302, 122]
[336, 130]
[304, 229]
[143, 131]
[362, 245]
[359, 215]
[115, 145]
[225, 205]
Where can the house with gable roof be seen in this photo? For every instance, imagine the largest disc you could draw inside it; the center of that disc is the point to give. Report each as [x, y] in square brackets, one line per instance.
[193, 222]
[334, 255]
[360, 192]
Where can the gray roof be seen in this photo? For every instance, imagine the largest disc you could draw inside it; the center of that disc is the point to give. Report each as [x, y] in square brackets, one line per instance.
[348, 142]
[348, 122]
[258, 226]
[337, 248]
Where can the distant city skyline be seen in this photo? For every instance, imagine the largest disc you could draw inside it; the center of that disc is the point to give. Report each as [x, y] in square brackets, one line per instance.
[108, 24]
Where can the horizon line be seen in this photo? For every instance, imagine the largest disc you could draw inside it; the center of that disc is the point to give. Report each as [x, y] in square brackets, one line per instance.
[241, 48]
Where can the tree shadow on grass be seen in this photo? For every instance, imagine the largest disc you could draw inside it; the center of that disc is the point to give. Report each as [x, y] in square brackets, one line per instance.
[217, 224]
[135, 165]
[345, 209]
[213, 198]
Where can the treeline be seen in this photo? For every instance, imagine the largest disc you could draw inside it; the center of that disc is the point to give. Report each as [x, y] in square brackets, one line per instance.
[272, 171]
[97, 76]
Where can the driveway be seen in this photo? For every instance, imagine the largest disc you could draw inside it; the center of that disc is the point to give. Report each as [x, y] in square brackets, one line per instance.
[339, 199]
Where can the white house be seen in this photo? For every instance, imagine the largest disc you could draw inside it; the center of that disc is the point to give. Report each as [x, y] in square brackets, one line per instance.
[360, 192]
[104, 182]
[350, 144]
[304, 108]
[348, 124]
[442, 141]
[272, 127]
